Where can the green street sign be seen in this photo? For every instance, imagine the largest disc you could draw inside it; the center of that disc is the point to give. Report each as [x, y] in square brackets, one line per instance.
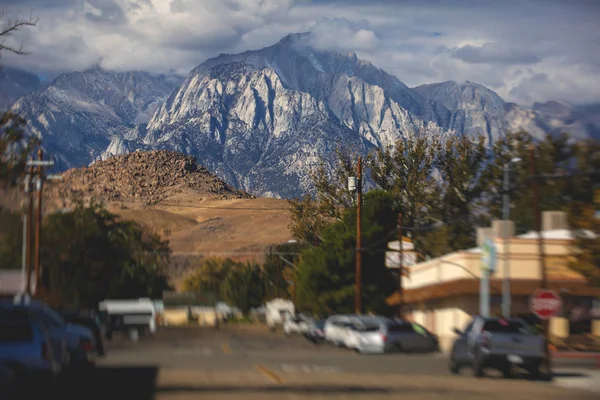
[488, 255]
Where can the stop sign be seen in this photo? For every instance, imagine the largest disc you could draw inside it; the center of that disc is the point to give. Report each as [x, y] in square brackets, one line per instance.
[545, 303]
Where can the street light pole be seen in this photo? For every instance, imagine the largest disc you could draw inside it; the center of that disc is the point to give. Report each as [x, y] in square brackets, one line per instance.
[540, 240]
[358, 272]
[506, 301]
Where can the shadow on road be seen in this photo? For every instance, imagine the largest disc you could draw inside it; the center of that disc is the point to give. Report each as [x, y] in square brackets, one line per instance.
[102, 383]
[569, 375]
[304, 390]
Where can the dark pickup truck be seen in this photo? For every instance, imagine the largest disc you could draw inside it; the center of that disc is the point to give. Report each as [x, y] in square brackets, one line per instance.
[498, 343]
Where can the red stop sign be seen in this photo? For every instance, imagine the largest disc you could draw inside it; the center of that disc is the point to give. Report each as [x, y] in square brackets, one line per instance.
[545, 303]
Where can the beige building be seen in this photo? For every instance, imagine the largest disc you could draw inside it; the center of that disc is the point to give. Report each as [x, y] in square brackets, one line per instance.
[443, 293]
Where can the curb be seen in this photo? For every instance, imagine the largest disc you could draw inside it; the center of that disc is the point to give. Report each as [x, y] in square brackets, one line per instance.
[578, 356]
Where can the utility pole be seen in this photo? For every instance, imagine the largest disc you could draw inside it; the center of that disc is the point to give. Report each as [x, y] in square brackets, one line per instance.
[538, 229]
[25, 270]
[27, 244]
[401, 269]
[358, 274]
[35, 173]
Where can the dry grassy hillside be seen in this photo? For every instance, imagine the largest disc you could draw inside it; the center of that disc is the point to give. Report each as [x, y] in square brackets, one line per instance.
[237, 228]
[182, 201]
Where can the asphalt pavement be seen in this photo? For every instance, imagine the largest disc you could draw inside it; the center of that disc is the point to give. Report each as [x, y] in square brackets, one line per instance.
[252, 363]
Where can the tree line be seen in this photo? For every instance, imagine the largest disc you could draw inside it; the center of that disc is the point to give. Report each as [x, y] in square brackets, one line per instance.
[444, 188]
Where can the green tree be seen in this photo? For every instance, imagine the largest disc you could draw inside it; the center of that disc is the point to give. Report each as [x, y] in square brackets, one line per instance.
[586, 246]
[325, 276]
[209, 275]
[459, 164]
[88, 255]
[244, 286]
[406, 171]
[313, 212]
[239, 284]
[11, 238]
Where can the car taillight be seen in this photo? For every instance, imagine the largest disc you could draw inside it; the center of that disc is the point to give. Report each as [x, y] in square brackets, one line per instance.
[46, 351]
[384, 338]
[486, 339]
[86, 345]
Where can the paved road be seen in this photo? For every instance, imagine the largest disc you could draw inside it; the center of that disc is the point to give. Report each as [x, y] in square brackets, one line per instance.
[252, 363]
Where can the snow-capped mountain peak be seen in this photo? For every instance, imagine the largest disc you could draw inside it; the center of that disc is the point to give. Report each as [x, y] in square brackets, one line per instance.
[263, 120]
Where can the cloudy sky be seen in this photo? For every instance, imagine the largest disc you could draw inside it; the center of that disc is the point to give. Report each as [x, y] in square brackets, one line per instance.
[525, 50]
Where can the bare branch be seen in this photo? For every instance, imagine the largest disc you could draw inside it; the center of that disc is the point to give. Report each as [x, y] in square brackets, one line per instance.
[10, 26]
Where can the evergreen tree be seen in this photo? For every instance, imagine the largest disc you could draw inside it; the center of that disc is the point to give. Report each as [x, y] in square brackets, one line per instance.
[325, 276]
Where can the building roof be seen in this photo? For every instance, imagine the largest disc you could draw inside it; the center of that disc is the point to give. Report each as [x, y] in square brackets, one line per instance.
[519, 287]
[558, 234]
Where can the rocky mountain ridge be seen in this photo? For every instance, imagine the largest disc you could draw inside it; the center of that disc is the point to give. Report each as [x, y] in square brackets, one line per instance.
[264, 119]
[14, 84]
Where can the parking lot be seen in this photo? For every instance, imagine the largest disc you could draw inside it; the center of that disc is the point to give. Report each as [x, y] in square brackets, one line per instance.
[251, 362]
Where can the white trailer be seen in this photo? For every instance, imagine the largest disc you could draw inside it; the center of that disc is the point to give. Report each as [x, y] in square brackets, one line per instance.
[277, 310]
[133, 316]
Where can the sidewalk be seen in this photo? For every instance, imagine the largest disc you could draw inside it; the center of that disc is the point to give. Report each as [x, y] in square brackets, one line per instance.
[578, 355]
[582, 379]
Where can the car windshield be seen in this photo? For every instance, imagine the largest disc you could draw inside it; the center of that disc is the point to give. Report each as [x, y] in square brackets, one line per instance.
[504, 326]
[320, 324]
[368, 328]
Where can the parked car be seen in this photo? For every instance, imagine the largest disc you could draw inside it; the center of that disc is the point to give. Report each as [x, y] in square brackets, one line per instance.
[299, 324]
[336, 328]
[90, 321]
[79, 344]
[26, 350]
[7, 375]
[316, 332]
[500, 344]
[382, 335]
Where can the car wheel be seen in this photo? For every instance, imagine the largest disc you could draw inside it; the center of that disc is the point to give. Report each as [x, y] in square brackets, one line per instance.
[453, 365]
[478, 365]
[507, 371]
[541, 372]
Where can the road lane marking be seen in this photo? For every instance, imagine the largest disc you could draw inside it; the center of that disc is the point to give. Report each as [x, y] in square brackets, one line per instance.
[324, 369]
[268, 373]
[195, 351]
[226, 348]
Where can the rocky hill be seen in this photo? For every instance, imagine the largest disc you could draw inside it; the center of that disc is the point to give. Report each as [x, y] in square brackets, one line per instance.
[144, 178]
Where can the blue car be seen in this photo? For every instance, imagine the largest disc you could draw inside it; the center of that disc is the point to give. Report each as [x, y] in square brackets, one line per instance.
[73, 344]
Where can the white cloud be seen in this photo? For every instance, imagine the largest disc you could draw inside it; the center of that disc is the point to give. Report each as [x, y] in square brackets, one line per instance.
[343, 35]
[527, 51]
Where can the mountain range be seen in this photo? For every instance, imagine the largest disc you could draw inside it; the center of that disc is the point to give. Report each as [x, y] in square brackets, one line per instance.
[264, 119]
